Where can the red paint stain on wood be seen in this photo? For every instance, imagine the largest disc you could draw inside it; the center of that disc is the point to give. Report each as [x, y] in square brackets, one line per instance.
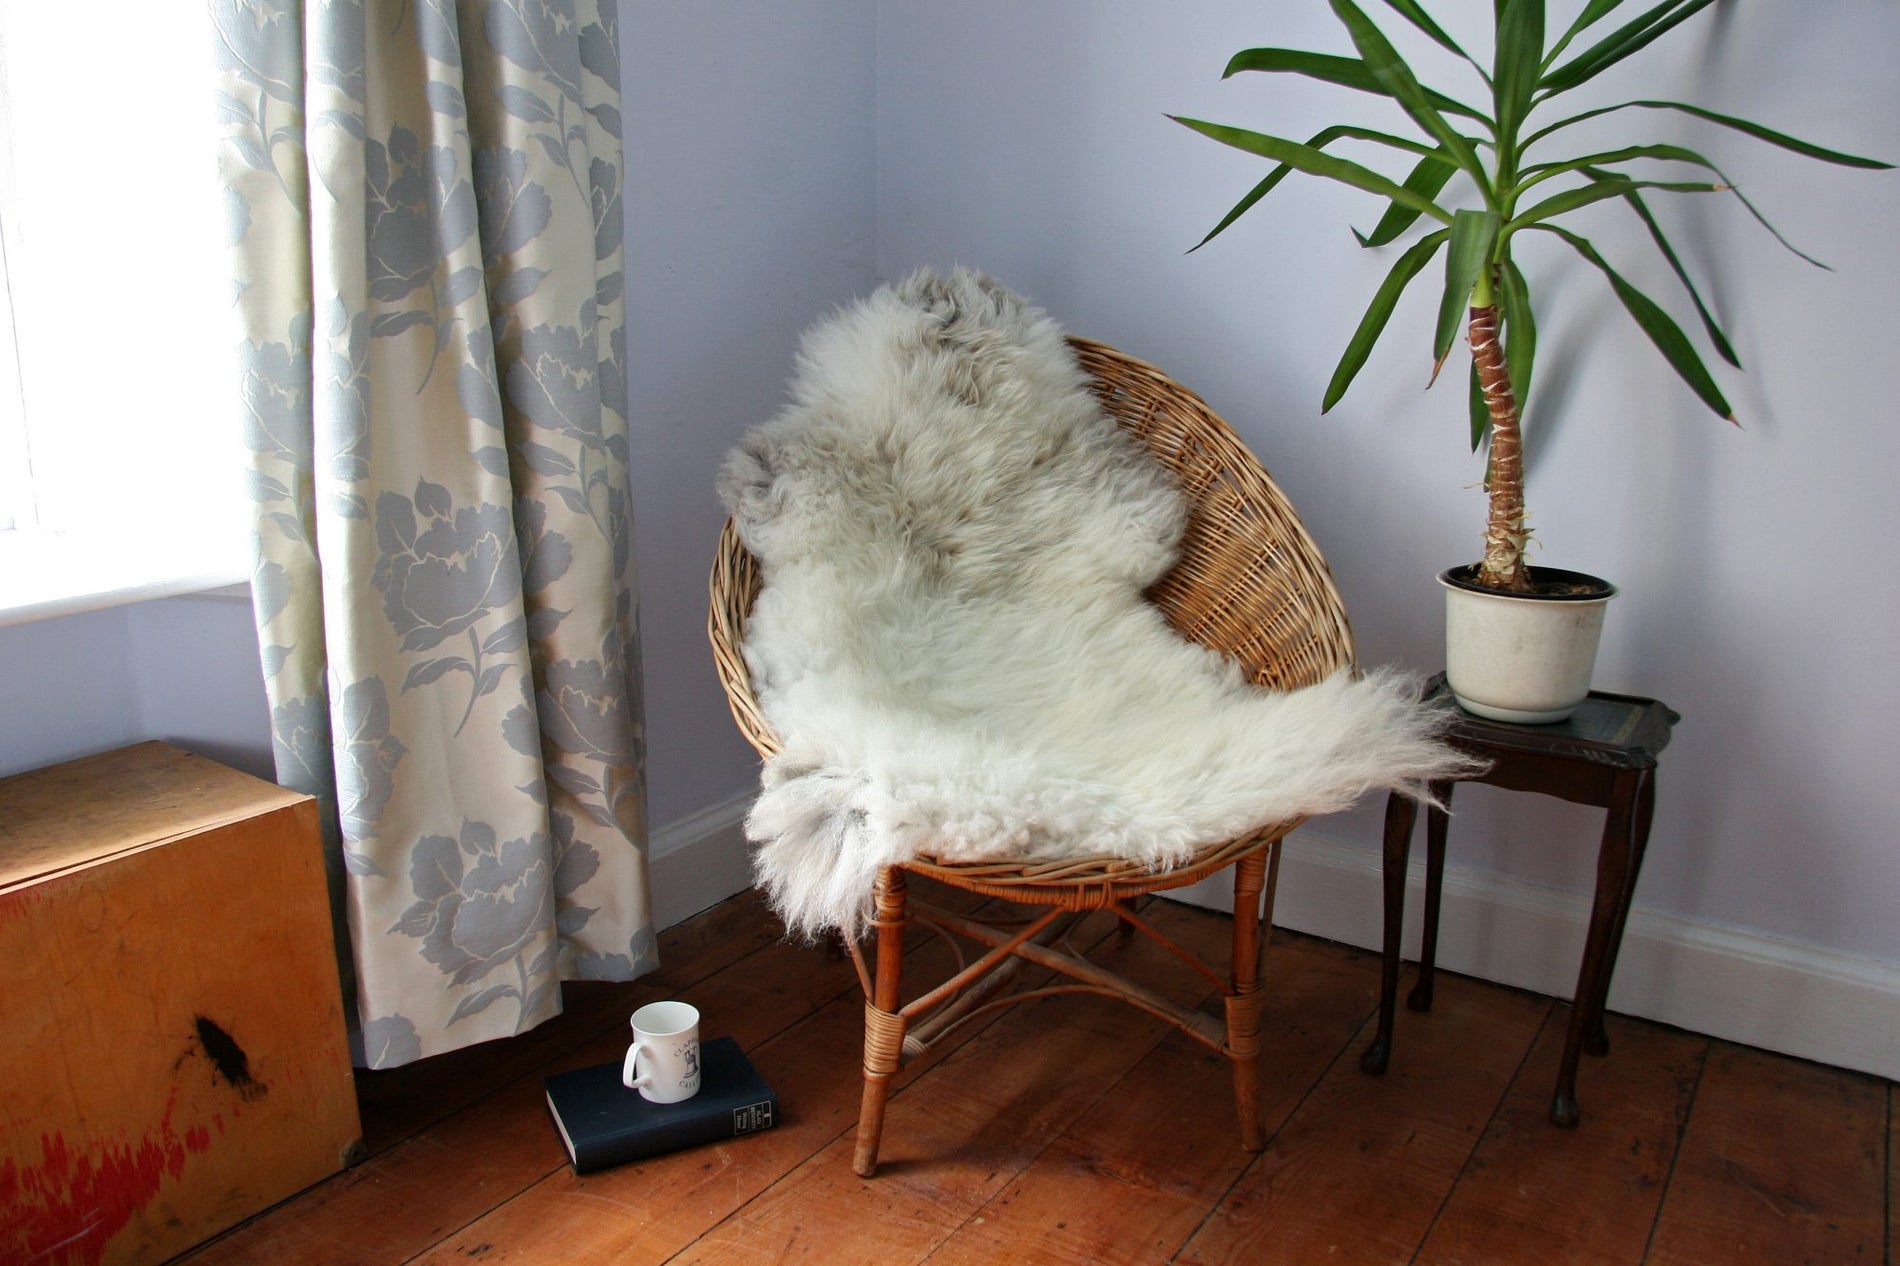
[67, 1208]
[21, 902]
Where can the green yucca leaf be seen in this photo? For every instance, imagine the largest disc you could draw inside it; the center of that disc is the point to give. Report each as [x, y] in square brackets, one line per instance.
[1806, 149]
[1538, 172]
[1760, 133]
[1480, 412]
[1662, 331]
[1473, 234]
[1623, 42]
[1717, 338]
[1316, 162]
[1347, 72]
[1520, 332]
[1517, 60]
[1391, 70]
[1319, 140]
[1427, 178]
[1373, 323]
[1592, 13]
[1589, 164]
[1411, 12]
[1609, 187]
[1792, 144]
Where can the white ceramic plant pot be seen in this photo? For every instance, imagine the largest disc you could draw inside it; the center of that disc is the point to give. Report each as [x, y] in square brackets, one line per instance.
[1523, 657]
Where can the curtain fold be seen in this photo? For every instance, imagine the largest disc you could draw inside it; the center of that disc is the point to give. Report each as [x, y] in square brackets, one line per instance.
[424, 206]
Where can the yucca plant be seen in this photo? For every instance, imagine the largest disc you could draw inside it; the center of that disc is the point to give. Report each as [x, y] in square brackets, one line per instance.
[1484, 174]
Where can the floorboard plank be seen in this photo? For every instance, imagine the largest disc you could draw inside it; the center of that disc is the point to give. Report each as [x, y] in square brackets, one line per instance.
[1782, 1162]
[958, 1135]
[649, 1211]
[1109, 1138]
[409, 1197]
[1362, 1167]
[1535, 1193]
[1135, 1175]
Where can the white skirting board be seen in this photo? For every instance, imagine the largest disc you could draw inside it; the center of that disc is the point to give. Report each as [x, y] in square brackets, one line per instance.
[699, 861]
[1724, 982]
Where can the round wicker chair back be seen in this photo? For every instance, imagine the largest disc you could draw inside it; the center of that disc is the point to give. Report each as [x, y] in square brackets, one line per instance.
[1249, 583]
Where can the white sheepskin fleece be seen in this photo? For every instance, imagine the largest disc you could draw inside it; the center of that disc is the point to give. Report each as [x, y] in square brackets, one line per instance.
[951, 640]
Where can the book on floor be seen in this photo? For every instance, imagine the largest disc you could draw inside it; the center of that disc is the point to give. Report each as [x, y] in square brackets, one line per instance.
[602, 1123]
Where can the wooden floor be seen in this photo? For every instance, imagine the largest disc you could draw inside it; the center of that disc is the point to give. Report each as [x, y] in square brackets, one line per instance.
[1075, 1129]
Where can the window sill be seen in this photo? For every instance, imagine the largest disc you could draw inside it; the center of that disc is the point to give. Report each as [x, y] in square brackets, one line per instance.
[46, 575]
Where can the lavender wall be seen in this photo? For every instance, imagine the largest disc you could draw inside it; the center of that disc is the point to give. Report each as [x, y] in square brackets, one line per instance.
[786, 156]
[1752, 561]
[750, 205]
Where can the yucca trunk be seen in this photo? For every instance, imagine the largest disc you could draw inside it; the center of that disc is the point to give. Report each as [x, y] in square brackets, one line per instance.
[1505, 535]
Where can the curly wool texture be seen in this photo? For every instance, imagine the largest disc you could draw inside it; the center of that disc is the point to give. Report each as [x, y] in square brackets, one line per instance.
[951, 639]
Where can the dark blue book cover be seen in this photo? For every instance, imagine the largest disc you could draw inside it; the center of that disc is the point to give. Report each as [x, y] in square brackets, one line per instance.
[603, 1123]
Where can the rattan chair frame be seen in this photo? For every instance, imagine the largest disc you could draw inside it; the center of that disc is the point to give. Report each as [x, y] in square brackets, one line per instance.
[1249, 583]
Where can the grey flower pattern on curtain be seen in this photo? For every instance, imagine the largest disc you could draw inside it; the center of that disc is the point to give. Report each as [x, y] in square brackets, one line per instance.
[424, 202]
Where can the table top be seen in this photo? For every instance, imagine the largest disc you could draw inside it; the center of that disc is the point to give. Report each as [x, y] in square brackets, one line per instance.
[1625, 731]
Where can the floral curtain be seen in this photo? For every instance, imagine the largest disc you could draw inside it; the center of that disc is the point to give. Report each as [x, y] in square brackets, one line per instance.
[424, 202]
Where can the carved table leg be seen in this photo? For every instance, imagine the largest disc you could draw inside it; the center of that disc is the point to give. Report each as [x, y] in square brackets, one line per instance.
[1420, 999]
[1614, 874]
[1597, 1041]
[1400, 813]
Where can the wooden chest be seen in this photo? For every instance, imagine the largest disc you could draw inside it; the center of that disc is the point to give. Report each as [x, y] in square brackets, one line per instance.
[172, 1047]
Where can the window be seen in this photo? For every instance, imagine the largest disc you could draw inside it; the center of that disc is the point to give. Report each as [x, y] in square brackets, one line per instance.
[121, 461]
[16, 470]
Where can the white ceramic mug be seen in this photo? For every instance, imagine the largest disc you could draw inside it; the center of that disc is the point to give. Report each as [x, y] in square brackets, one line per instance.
[663, 1062]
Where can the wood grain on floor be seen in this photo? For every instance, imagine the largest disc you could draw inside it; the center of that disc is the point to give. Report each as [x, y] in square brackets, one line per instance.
[1073, 1129]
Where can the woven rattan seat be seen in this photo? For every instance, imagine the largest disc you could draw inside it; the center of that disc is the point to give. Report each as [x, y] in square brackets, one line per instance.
[1249, 583]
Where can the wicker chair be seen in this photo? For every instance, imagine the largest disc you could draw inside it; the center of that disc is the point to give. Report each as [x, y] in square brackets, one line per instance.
[1249, 583]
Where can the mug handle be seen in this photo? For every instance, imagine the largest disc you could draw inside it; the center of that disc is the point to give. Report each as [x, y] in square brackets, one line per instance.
[629, 1068]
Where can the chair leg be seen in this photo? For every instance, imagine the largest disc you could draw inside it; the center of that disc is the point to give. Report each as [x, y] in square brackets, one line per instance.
[883, 1026]
[1243, 1004]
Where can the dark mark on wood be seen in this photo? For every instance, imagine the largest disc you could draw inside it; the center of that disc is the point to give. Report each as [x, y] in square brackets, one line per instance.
[229, 1059]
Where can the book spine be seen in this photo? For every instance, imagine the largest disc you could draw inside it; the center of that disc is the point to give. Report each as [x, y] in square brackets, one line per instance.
[711, 1127]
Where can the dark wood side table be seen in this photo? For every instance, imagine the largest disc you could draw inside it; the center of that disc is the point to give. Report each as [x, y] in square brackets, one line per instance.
[1604, 754]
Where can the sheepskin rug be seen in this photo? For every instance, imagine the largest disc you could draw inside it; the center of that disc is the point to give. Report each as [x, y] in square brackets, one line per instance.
[951, 639]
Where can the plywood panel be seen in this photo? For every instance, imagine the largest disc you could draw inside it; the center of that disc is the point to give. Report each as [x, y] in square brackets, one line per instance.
[88, 809]
[173, 1057]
